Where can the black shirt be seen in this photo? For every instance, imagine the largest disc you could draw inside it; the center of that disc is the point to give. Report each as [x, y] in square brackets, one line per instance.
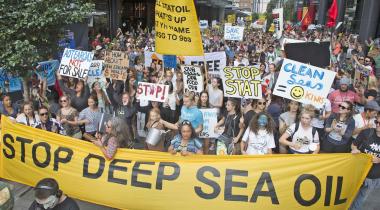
[67, 204]
[368, 142]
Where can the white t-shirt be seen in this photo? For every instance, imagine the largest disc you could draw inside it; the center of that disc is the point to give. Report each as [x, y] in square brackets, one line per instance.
[260, 143]
[244, 62]
[303, 137]
[21, 118]
[214, 96]
[360, 122]
[171, 101]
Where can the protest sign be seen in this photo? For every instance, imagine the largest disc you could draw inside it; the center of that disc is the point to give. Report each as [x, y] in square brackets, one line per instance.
[47, 70]
[170, 61]
[242, 82]
[152, 91]
[152, 57]
[214, 23]
[9, 82]
[328, 181]
[176, 26]
[285, 41]
[233, 33]
[95, 74]
[116, 65]
[192, 78]
[361, 77]
[231, 18]
[215, 62]
[209, 122]
[75, 63]
[278, 20]
[303, 83]
[203, 24]
[316, 54]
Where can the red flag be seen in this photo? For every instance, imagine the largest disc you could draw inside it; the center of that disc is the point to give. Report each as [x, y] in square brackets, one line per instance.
[332, 14]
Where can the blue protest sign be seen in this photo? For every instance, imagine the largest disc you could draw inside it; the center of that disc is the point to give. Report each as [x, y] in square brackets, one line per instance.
[47, 70]
[15, 83]
[170, 61]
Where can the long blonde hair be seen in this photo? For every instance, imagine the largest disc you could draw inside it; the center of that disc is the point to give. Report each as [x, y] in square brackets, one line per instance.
[372, 83]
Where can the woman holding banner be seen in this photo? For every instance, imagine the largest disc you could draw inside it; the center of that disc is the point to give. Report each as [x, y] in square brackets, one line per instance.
[301, 137]
[288, 118]
[90, 117]
[28, 116]
[114, 138]
[68, 117]
[258, 139]
[186, 142]
[339, 128]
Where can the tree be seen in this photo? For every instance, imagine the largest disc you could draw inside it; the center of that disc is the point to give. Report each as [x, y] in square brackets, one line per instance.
[30, 30]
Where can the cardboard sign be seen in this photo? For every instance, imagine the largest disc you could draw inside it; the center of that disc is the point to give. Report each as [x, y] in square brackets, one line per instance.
[192, 78]
[209, 122]
[152, 91]
[233, 33]
[242, 82]
[75, 63]
[176, 26]
[47, 70]
[278, 21]
[215, 62]
[361, 77]
[303, 83]
[116, 65]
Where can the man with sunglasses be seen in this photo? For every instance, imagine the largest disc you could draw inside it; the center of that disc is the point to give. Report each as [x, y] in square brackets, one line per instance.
[368, 141]
[47, 123]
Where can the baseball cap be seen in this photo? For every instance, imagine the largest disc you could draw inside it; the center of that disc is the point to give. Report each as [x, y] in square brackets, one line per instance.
[344, 81]
[372, 105]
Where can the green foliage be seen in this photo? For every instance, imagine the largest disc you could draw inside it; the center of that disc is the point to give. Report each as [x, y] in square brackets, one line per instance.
[255, 16]
[30, 29]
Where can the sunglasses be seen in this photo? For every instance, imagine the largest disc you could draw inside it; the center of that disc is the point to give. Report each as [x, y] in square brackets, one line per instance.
[367, 60]
[377, 122]
[343, 107]
[262, 103]
[63, 101]
[186, 122]
[44, 114]
[360, 59]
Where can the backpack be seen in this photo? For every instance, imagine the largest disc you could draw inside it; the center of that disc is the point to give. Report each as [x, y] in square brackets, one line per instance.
[313, 131]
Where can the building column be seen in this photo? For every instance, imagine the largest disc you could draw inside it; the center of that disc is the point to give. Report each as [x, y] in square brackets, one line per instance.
[341, 11]
[369, 19]
[221, 14]
[149, 18]
[322, 11]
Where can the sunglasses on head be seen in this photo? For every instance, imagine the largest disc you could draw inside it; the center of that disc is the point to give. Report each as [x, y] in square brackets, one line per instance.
[186, 122]
[343, 107]
[44, 114]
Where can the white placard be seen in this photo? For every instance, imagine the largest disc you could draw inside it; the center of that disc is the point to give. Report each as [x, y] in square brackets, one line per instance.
[192, 78]
[303, 83]
[215, 62]
[203, 24]
[209, 122]
[75, 63]
[233, 33]
[152, 91]
[242, 82]
[95, 72]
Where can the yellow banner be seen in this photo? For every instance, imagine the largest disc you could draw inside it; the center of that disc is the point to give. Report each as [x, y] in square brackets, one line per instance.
[137, 179]
[177, 28]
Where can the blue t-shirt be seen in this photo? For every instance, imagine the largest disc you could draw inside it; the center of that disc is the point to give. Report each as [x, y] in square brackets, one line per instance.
[192, 146]
[192, 114]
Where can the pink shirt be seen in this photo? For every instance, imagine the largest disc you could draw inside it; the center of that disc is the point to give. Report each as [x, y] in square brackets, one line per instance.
[337, 97]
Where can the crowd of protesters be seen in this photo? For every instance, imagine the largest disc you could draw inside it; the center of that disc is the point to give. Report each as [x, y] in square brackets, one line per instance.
[348, 121]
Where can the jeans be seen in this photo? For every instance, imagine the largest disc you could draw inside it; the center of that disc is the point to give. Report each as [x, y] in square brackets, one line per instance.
[365, 190]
